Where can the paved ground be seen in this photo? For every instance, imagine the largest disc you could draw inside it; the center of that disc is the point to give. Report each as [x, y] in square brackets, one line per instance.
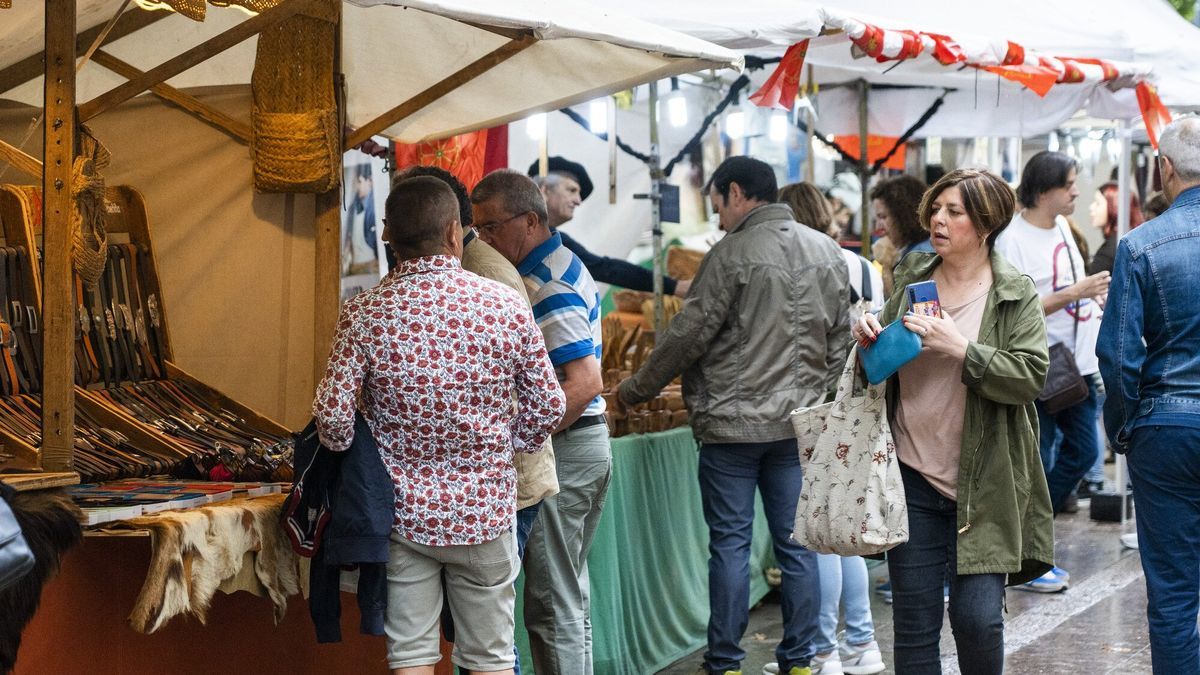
[1096, 626]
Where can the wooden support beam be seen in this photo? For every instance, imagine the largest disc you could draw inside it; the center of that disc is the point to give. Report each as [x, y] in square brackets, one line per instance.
[327, 257]
[198, 54]
[27, 69]
[58, 318]
[20, 159]
[327, 280]
[454, 81]
[238, 129]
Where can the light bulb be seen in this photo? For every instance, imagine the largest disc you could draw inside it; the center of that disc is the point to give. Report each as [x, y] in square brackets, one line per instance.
[535, 126]
[598, 116]
[677, 110]
[735, 124]
[777, 130]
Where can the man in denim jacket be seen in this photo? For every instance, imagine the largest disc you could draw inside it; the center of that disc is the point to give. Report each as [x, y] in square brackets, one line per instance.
[1149, 349]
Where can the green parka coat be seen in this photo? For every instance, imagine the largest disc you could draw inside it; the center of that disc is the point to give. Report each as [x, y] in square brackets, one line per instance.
[1006, 524]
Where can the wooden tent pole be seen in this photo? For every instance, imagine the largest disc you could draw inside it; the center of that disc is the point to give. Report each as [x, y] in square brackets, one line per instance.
[327, 280]
[58, 325]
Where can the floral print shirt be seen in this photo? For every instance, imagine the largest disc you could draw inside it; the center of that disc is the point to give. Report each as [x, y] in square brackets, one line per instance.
[438, 354]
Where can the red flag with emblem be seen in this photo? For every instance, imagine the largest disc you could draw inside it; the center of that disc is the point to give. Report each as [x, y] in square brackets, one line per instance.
[780, 89]
[1154, 113]
[461, 155]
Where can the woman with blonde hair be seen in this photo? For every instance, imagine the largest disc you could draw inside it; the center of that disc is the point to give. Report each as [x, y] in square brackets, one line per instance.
[962, 419]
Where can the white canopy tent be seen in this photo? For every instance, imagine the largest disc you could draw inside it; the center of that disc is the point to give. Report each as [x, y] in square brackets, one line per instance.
[1144, 36]
[412, 70]
[393, 50]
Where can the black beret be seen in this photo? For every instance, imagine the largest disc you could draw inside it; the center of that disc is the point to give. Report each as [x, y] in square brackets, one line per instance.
[573, 169]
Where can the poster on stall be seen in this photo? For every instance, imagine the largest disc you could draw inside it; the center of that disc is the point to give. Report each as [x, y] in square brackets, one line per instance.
[364, 190]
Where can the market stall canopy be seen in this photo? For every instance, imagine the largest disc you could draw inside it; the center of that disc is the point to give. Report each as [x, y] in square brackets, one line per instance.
[558, 53]
[1142, 38]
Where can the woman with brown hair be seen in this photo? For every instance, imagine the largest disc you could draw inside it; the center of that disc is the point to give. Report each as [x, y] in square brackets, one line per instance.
[962, 416]
[895, 202]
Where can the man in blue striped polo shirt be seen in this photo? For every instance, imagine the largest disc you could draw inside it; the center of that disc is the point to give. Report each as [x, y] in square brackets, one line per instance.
[510, 214]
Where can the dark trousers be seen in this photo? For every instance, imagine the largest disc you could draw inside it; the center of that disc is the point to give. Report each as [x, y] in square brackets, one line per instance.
[730, 474]
[1066, 462]
[1164, 462]
[918, 569]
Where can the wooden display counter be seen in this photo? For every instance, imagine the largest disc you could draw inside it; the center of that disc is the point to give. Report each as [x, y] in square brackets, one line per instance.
[81, 627]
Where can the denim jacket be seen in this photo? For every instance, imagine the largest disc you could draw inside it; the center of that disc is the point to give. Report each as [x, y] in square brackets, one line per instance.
[1149, 345]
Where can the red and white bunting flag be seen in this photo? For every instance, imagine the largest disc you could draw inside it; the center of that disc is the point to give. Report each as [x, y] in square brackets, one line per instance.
[1154, 113]
[780, 89]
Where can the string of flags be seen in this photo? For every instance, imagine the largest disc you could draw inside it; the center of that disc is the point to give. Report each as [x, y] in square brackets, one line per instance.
[1036, 71]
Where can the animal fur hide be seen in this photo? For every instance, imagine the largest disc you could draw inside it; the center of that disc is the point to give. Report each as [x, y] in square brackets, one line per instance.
[50, 522]
[195, 551]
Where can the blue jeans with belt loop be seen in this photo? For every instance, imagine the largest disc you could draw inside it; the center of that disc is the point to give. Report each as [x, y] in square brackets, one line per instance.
[1164, 463]
[729, 474]
[918, 569]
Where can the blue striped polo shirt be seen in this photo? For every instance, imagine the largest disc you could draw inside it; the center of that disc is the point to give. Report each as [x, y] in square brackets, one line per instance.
[566, 305]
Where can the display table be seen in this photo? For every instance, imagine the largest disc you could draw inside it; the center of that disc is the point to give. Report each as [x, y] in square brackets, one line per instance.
[649, 563]
[649, 581]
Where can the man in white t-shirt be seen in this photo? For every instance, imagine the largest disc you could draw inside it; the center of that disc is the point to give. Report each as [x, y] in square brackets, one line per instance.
[1038, 242]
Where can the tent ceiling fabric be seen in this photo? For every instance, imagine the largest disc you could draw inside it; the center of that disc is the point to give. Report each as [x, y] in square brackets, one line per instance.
[393, 50]
[1145, 33]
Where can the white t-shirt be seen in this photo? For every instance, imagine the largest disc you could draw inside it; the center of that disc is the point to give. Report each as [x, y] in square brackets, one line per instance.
[1055, 264]
[854, 269]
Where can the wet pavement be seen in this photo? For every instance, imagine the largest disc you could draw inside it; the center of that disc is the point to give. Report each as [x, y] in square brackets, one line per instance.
[1098, 625]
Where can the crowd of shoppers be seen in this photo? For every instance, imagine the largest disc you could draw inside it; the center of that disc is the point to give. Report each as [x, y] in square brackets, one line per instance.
[476, 365]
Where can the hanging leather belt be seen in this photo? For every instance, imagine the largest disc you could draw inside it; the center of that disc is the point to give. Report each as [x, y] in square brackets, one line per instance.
[137, 305]
[29, 327]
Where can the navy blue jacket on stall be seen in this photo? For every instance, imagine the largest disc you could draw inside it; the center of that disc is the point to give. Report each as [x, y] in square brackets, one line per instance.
[340, 513]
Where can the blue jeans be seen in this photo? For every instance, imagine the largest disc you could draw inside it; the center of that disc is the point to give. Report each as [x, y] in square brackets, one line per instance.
[1164, 462]
[525, 519]
[918, 569]
[1066, 462]
[729, 475]
[844, 580]
[1096, 473]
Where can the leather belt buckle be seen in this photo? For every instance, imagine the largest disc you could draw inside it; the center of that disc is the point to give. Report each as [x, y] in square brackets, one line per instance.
[586, 421]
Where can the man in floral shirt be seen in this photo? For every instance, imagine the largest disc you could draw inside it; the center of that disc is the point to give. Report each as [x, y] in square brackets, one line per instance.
[438, 354]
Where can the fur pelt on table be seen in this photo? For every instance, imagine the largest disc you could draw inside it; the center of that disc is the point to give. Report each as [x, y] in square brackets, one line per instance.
[194, 552]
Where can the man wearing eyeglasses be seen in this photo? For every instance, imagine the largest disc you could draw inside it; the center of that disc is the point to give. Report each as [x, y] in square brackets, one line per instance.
[510, 214]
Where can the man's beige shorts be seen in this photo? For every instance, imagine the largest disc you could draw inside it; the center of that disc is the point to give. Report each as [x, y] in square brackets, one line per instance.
[479, 589]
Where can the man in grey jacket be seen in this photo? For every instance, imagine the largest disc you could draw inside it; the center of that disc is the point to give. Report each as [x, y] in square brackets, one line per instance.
[765, 330]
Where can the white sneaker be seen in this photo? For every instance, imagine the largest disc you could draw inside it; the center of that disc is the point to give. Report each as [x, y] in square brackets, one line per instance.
[829, 665]
[860, 659]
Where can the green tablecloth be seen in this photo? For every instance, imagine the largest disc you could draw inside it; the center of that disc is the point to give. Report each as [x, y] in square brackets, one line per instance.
[649, 563]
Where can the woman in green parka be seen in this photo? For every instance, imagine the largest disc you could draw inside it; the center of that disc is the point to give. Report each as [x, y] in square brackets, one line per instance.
[965, 430]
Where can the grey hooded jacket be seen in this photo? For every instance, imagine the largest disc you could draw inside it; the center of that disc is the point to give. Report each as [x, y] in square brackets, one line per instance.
[764, 330]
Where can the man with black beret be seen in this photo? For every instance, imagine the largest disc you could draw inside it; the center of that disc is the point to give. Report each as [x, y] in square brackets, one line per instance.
[565, 186]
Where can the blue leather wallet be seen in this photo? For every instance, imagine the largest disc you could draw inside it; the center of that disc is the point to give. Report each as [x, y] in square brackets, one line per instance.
[893, 347]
